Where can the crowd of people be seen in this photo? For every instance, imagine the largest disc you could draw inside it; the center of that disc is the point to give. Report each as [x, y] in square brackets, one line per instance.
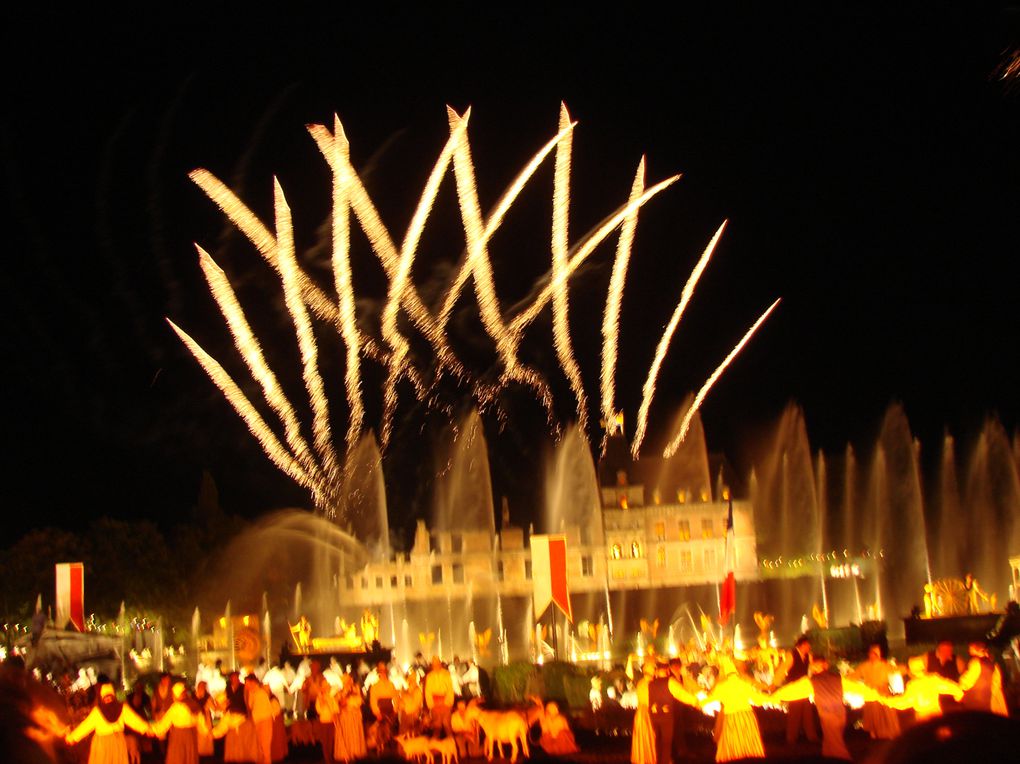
[350, 712]
[807, 687]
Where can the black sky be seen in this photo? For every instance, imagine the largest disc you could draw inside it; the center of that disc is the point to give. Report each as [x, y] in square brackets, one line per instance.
[866, 160]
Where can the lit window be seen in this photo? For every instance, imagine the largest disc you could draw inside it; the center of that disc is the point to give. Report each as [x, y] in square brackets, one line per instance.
[709, 560]
[686, 561]
[685, 530]
[623, 501]
[617, 552]
[660, 531]
[635, 549]
[660, 557]
[706, 528]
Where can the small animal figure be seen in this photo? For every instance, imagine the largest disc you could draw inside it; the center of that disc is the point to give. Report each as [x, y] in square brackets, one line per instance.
[446, 748]
[416, 748]
[501, 727]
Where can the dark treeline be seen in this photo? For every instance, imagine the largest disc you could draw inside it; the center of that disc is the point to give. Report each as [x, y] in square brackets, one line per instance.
[153, 571]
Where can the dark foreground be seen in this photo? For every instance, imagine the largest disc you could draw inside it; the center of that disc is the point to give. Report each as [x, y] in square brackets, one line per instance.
[961, 737]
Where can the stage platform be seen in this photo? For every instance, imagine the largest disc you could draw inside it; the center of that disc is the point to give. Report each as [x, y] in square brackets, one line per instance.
[959, 629]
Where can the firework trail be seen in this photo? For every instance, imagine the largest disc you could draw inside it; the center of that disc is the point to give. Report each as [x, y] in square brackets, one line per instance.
[399, 365]
[700, 397]
[248, 223]
[256, 424]
[250, 350]
[322, 435]
[341, 262]
[481, 271]
[581, 251]
[667, 335]
[496, 219]
[384, 248]
[560, 237]
[318, 467]
[611, 319]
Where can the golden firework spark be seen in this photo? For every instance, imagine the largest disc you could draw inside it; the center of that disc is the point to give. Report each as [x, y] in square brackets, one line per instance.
[322, 436]
[318, 467]
[250, 350]
[700, 397]
[667, 335]
[342, 280]
[560, 233]
[244, 408]
[611, 318]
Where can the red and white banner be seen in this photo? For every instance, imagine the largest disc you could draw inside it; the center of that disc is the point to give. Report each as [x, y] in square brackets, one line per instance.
[71, 595]
[549, 574]
[728, 593]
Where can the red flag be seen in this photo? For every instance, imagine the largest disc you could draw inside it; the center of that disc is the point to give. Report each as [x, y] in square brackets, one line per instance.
[728, 594]
[71, 594]
[549, 574]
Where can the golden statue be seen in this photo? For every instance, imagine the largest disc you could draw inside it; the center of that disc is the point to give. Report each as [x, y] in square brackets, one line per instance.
[369, 627]
[975, 594]
[482, 641]
[301, 632]
[932, 606]
[650, 628]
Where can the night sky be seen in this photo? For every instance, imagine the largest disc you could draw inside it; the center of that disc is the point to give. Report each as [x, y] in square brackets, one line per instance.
[866, 160]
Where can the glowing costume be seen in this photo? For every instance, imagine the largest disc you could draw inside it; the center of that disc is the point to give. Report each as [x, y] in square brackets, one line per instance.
[642, 746]
[982, 686]
[350, 733]
[739, 737]
[922, 695]
[557, 738]
[880, 721]
[106, 723]
[179, 723]
[827, 688]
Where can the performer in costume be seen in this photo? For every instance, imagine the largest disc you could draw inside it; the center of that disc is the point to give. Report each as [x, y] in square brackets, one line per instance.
[923, 692]
[410, 703]
[350, 732]
[642, 745]
[665, 694]
[439, 696]
[982, 682]
[203, 702]
[556, 739]
[106, 723]
[257, 699]
[179, 724]
[881, 722]
[800, 714]
[827, 689]
[944, 662]
[739, 736]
